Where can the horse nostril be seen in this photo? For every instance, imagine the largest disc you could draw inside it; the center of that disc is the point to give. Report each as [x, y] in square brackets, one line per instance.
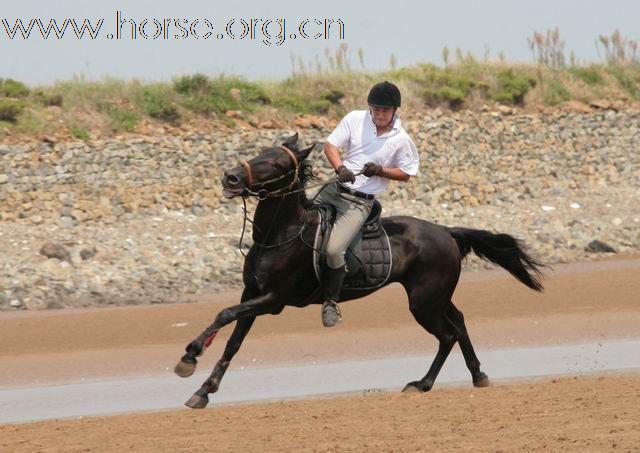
[232, 179]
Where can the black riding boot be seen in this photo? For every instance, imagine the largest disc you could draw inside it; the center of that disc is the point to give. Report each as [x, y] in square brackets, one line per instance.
[332, 285]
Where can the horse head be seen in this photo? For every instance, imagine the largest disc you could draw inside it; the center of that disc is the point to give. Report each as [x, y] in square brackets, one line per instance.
[274, 171]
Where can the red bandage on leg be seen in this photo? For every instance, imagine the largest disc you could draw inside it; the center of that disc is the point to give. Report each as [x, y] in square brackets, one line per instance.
[209, 339]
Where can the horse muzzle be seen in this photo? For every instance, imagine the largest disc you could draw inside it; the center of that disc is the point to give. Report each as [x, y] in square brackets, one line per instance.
[233, 183]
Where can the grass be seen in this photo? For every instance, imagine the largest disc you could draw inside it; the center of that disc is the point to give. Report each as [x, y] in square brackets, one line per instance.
[591, 75]
[628, 78]
[80, 132]
[512, 87]
[157, 102]
[205, 96]
[10, 110]
[88, 108]
[555, 92]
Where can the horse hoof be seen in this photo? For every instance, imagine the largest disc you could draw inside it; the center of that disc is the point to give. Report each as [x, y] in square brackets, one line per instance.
[482, 381]
[412, 387]
[197, 402]
[185, 369]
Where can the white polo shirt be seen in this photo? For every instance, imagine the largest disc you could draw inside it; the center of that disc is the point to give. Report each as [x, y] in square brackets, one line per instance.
[357, 134]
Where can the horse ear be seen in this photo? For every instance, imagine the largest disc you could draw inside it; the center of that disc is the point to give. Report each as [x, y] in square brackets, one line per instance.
[302, 155]
[291, 141]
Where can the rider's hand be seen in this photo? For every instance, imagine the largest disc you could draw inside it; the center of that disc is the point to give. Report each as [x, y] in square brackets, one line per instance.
[372, 169]
[345, 175]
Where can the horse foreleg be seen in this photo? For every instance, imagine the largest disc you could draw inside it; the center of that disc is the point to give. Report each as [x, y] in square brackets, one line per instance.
[187, 364]
[254, 307]
[211, 385]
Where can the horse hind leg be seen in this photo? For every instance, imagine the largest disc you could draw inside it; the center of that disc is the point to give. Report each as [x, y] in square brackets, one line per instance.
[435, 324]
[456, 319]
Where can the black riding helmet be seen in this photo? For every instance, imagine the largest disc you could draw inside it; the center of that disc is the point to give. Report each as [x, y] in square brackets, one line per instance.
[384, 94]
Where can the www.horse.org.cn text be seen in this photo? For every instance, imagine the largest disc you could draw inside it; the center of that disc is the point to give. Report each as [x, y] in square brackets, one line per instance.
[267, 31]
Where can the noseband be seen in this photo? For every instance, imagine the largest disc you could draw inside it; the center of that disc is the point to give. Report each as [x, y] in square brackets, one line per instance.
[262, 193]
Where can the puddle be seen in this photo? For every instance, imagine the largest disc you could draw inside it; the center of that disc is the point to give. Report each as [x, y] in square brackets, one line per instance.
[169, 391]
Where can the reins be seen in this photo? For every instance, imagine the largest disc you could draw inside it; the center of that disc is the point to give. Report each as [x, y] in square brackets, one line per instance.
[263, 194]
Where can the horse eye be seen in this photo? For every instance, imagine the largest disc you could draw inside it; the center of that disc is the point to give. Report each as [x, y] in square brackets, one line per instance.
[278, 166]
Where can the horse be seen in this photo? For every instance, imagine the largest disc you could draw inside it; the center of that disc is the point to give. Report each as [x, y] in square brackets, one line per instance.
[278, 269]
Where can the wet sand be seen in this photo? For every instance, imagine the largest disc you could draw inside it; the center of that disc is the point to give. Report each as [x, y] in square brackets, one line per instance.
[584, 302]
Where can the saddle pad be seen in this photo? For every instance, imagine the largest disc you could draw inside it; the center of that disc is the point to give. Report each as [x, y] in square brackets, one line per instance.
[369, 261]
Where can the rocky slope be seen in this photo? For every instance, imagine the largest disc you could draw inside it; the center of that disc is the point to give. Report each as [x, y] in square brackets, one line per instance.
[142, 220]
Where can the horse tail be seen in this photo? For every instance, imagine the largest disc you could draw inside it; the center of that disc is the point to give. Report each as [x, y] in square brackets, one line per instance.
[503, 250]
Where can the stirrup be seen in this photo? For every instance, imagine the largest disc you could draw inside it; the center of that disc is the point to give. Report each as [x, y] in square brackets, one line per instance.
[331, 315]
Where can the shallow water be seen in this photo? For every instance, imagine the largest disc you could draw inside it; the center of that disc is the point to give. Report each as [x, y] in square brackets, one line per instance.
[169, 391]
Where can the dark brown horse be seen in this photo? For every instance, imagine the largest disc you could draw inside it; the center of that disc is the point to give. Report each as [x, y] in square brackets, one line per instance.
[278, 269]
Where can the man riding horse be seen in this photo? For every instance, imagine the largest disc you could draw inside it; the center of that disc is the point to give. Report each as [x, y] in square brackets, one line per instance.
[377, 146]
[278, 271]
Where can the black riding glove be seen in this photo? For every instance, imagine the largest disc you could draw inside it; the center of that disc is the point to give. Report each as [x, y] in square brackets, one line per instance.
[345, 175]
[372, 169]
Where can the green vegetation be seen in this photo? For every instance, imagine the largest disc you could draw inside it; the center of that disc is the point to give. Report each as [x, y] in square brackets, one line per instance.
[555, 93]
[155, 101]
[448, 87]
[512, 87]
[80, 132]
[10, 109]
[49, 99]
[591, 75]
[628, 78]
[205, 96]
[333, 96]
[85, 109]
[123, 119]
[13, 89]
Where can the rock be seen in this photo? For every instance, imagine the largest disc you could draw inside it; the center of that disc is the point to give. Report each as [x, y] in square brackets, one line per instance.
[87, 254]
[234, 114]
[154, 210]
[78, 215]
[602, 104]
[308, 122]
[597, 246]
[576, 106]
[67, 221]
[236, 94]
[57, 251]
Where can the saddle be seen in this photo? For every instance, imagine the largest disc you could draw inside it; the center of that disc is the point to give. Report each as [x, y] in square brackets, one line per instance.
[368, 257]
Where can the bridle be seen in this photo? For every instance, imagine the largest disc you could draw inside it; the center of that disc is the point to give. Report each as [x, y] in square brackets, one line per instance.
[263, 194]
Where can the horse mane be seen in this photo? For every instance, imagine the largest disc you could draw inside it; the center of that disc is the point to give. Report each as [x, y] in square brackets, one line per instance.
[305, 173]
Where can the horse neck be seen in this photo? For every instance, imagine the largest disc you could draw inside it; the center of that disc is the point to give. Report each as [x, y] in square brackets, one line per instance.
[274, 216]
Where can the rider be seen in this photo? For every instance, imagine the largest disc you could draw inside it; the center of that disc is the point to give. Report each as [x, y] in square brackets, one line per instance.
[377, 149]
